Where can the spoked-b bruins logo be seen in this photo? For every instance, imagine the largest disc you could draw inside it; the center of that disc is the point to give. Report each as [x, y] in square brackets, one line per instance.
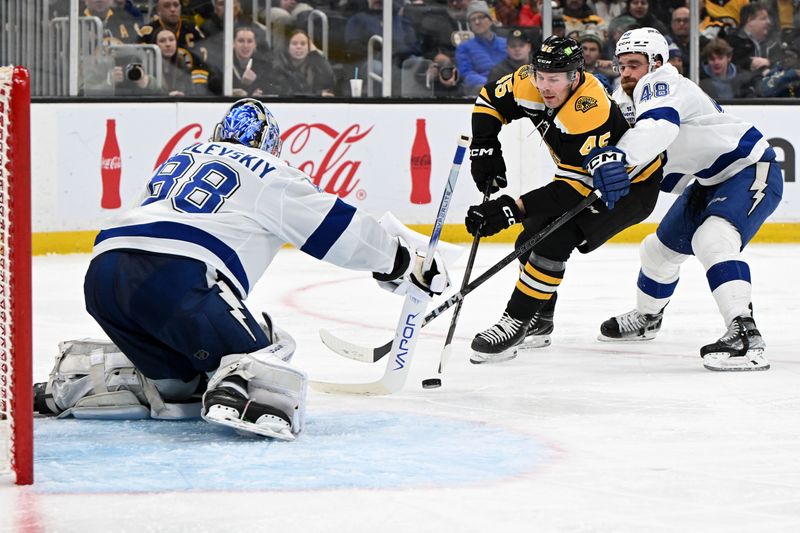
[585, 103]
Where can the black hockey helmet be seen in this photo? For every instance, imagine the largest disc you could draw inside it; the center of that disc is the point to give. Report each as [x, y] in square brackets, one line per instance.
[558, 54]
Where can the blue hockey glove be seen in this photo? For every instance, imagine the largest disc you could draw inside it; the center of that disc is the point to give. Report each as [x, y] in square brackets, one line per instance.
[607, 166]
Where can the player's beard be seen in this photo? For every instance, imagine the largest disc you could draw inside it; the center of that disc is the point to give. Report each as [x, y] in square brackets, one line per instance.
[628, 85]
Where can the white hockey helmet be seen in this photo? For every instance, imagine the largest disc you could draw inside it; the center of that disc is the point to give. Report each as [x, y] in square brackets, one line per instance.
[647, 41]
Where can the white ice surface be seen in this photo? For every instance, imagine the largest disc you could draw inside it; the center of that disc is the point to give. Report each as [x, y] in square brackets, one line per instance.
[582, 436]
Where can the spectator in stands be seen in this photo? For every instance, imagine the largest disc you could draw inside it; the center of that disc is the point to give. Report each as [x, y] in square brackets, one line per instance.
[754, 48]
[131, 9]
[579, 17]
[442, 76]
[214, 30]
[720, 78]
[476, 58]
[603, 69]
[518, 47]
[187, 35]
[119, 26]
[609, 9]
[640, 11]
[283, 17]
[251, 68]
[783, 80]
[530, 14]
[679, 33]
[177, 66]
[506, 12]
[364, 24]
[722, 18]
[302, 70]
[457, 10]
[676, 58]
[434, 26]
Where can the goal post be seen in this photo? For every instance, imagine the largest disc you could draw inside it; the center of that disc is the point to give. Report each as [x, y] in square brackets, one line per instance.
[16, 373]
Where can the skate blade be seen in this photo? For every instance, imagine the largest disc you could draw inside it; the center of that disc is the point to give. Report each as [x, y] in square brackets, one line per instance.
[723, 362]
[222, 416]
[535, 341]
[478, 358]
[637, 338]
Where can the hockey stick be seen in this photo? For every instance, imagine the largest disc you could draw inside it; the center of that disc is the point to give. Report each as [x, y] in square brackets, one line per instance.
[371, 355]
[473, 251]
[407, 330]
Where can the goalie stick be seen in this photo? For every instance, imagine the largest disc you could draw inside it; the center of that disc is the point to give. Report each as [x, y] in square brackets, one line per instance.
[366, 354]
[407, 331]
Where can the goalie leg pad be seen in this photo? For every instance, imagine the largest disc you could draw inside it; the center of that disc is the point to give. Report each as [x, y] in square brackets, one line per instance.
[93, 379]
[257, 393]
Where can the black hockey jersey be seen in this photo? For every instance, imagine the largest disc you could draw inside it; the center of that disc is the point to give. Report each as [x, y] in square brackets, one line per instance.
[586, 120]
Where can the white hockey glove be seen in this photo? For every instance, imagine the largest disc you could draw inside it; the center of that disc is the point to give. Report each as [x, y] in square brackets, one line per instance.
[433, 281]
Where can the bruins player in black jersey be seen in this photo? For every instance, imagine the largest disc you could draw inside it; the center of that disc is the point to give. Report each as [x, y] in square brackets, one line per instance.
[576, 118]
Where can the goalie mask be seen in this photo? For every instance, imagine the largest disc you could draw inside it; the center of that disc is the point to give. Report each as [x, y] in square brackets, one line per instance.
[646, 41]
[249, 122]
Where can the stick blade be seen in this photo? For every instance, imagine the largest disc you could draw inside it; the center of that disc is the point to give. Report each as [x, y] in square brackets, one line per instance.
[444, 358]
[345, 348]
[377, 388]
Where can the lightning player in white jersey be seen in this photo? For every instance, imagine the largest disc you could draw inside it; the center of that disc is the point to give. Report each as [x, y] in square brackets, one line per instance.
[728, 181]
[167, 280]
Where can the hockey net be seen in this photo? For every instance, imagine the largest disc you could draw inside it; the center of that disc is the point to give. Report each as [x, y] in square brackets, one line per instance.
[16, 402]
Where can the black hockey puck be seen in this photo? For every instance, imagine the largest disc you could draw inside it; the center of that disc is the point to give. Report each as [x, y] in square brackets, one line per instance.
[431, 383]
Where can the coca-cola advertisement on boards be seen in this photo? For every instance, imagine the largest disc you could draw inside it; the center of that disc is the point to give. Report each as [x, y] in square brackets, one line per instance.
[378, 158]
[110, 168]
[319, 150]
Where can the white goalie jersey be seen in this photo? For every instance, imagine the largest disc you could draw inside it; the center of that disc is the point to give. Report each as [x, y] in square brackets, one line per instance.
[702, 141]
[233, 207]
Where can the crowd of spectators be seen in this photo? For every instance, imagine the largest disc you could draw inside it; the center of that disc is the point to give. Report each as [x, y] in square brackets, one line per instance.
[747, 49]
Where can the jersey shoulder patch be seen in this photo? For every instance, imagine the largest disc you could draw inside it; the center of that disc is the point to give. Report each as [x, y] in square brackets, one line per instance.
[587, 109]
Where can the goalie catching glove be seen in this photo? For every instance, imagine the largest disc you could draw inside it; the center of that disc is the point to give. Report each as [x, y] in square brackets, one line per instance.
[488, 165]
[607, 166]
[493, 216]
[409, 264]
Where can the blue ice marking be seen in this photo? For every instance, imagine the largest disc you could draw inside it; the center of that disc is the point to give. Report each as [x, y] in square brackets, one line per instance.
[371, 450]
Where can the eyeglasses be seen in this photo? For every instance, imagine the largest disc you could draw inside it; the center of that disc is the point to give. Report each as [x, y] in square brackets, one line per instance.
[474, 19]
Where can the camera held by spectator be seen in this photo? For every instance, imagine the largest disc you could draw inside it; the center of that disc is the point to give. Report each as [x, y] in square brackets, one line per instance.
[134, 72]
[445, 71]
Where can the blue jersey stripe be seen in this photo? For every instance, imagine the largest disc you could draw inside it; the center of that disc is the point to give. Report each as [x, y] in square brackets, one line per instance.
[742, 150]
[662, 113]
[182, 232]
[727, 271]
[329, 231]
[669, 181]
[655, 289]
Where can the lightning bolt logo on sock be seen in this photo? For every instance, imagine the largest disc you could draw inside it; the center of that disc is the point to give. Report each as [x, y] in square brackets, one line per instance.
[236, 306]
[759, 184]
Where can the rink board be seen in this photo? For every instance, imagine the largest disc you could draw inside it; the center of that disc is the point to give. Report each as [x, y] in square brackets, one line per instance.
[362, 152]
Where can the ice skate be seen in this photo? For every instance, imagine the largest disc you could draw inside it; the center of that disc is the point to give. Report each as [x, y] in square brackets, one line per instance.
[539, 330]
[740, 349]
[228, 405]
[499, 342]
[631, 326]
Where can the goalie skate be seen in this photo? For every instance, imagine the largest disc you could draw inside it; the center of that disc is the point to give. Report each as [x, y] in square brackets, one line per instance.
[500, 342]
[227, 406]
[631, 326]
[740, 349]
